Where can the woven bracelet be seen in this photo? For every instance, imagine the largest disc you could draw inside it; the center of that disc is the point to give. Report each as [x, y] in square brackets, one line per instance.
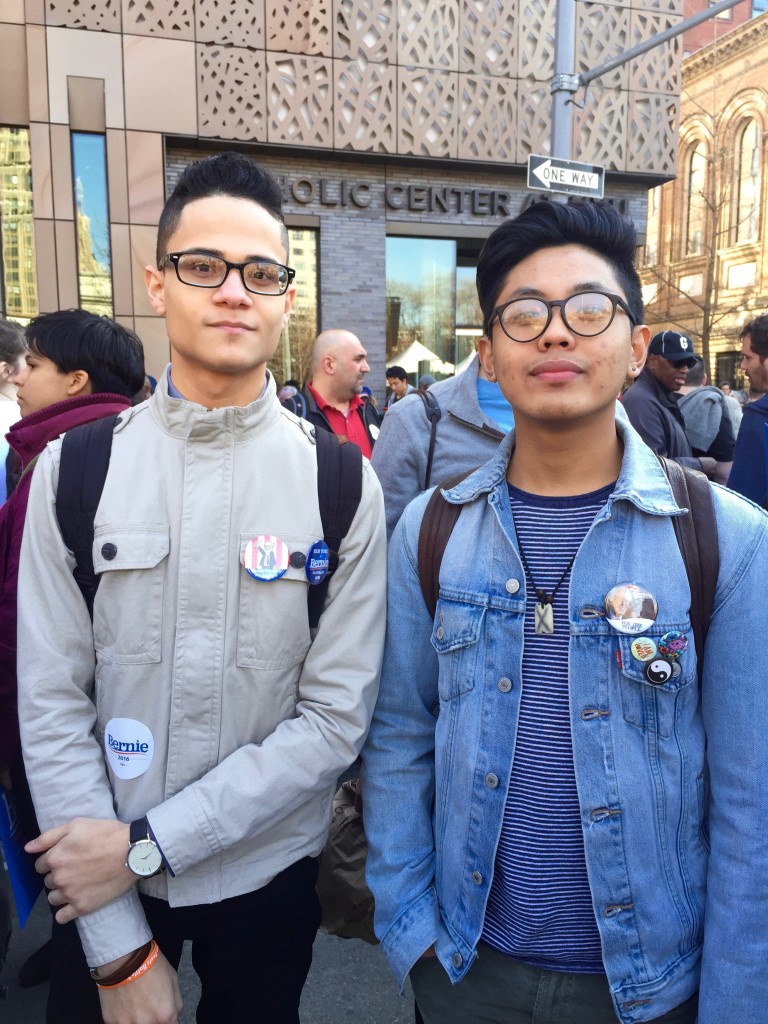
[123, 973]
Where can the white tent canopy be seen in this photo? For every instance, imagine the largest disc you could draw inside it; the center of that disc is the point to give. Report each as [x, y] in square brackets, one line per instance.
[417, 353]
[461, 367]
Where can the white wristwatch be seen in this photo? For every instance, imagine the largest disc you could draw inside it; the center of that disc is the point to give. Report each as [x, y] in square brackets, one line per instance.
[144, 856]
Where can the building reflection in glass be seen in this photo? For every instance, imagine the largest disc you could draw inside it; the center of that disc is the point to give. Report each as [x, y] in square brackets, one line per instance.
[292, 359]
[94, 254]
[18, 291]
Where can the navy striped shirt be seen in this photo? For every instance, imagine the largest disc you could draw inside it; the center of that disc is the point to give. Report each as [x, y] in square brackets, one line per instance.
[540, 907]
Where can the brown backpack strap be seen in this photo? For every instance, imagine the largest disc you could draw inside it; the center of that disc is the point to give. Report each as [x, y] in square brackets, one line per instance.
[697, 538]
[440, 517]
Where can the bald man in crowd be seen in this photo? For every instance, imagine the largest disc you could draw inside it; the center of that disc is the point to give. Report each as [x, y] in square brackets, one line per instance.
[332, 398]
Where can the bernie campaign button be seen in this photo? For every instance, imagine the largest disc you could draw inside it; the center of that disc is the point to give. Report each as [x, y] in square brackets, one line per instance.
[630, 608]
[265, 557]
[318, 560]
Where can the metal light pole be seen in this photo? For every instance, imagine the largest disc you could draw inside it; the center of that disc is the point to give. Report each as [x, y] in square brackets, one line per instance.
[566, 81]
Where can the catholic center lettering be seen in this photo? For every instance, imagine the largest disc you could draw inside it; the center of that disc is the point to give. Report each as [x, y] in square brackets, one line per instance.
[436, 199]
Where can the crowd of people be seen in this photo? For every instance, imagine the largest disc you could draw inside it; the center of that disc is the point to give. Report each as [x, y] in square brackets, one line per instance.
[215, 599]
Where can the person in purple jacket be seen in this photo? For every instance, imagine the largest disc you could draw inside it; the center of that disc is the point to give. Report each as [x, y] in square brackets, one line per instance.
[79, 367]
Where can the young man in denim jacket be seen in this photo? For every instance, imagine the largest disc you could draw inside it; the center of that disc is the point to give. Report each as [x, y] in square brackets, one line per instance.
[563, 824]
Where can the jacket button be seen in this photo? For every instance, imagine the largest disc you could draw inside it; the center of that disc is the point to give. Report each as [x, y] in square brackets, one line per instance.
[512, 586]
[491, 780]
[477, 878]
[457, 960]
[108, 551]
[297, 560]
[504, 684]
[439, 633]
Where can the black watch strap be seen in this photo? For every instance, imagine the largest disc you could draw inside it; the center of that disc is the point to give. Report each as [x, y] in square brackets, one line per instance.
[139, 829]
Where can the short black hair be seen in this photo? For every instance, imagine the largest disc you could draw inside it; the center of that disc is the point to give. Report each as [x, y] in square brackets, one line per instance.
[757, 329]
[12, 343]
[544, 225]
[227, 174]
[74, 339]
[397, 372]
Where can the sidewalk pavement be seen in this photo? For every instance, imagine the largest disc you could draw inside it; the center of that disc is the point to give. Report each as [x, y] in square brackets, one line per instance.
[349, 981]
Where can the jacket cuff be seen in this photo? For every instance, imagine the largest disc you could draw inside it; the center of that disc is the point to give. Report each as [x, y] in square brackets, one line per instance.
[114, 931]
[416, 929]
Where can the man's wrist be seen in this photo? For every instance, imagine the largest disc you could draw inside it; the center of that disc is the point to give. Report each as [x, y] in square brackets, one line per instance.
[104, 970]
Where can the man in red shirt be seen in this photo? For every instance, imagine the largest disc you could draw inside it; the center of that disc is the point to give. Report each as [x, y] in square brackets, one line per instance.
[332, 399]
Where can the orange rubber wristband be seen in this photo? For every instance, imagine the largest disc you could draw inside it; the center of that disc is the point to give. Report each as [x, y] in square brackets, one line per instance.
[141, 970]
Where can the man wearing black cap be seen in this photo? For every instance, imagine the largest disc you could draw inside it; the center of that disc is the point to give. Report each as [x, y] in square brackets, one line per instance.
[651, 402]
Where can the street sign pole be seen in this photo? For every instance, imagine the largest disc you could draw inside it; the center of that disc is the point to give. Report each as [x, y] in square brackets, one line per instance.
[563, 87]
[566, 81]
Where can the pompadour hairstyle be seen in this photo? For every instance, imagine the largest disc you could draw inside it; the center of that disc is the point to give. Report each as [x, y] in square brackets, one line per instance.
[544, 225]
[227, 174]
[74, 339]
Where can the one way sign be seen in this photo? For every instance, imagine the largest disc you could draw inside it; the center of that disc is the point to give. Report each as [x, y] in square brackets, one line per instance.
[548, 174]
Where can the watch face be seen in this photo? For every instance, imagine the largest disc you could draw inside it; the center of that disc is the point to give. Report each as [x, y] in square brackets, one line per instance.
[144, 858]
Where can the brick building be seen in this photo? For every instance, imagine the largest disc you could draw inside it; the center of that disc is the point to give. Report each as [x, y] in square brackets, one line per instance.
[706, 256]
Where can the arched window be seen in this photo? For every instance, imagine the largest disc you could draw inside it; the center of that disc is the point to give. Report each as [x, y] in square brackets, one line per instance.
[747, 183]
[695, 200]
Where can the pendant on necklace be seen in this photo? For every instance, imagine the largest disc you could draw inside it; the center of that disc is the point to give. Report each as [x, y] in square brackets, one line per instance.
[544, 616]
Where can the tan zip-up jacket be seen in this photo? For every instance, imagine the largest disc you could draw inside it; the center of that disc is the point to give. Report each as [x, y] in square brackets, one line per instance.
[198, 696]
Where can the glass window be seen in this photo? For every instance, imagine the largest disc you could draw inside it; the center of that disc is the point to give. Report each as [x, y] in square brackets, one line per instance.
[292, 359]
[18, 286]
[433, 317]
[695, 201]
[94, 253]
[747, 183]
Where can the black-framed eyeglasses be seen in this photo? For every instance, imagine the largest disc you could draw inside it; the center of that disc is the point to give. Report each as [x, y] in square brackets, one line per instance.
[203, 270]
[585, 313]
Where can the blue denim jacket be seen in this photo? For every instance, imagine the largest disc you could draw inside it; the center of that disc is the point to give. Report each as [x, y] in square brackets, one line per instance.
[672, 779]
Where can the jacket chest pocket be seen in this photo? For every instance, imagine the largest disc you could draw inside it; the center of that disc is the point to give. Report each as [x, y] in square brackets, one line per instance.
[273, 622]
[128, 610]
[455, 637]
[650, 704]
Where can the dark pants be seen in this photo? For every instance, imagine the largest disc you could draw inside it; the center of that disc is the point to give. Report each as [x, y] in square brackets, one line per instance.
[252, 953]
[500, 990]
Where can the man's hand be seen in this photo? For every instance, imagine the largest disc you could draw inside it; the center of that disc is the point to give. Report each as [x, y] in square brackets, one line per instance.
[153, 999]
[84, 865]
[708, 466]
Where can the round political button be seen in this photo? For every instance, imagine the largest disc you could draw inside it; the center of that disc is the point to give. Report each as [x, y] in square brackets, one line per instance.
[297, 560]
[658, 671]
[673, 644]
[265, 557]
[630, 608]
[318, 560]
[643, 648]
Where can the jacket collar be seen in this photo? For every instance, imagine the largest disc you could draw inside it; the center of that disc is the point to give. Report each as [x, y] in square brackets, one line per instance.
[31, 434]
[463, 403]
[665, 396]
[184, 419]
[641, 480]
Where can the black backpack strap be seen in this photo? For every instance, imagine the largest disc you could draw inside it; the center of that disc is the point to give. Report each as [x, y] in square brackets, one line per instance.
[339, 489]
[437, 523]
[697, 538]
[432, 409]
[85, 452]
